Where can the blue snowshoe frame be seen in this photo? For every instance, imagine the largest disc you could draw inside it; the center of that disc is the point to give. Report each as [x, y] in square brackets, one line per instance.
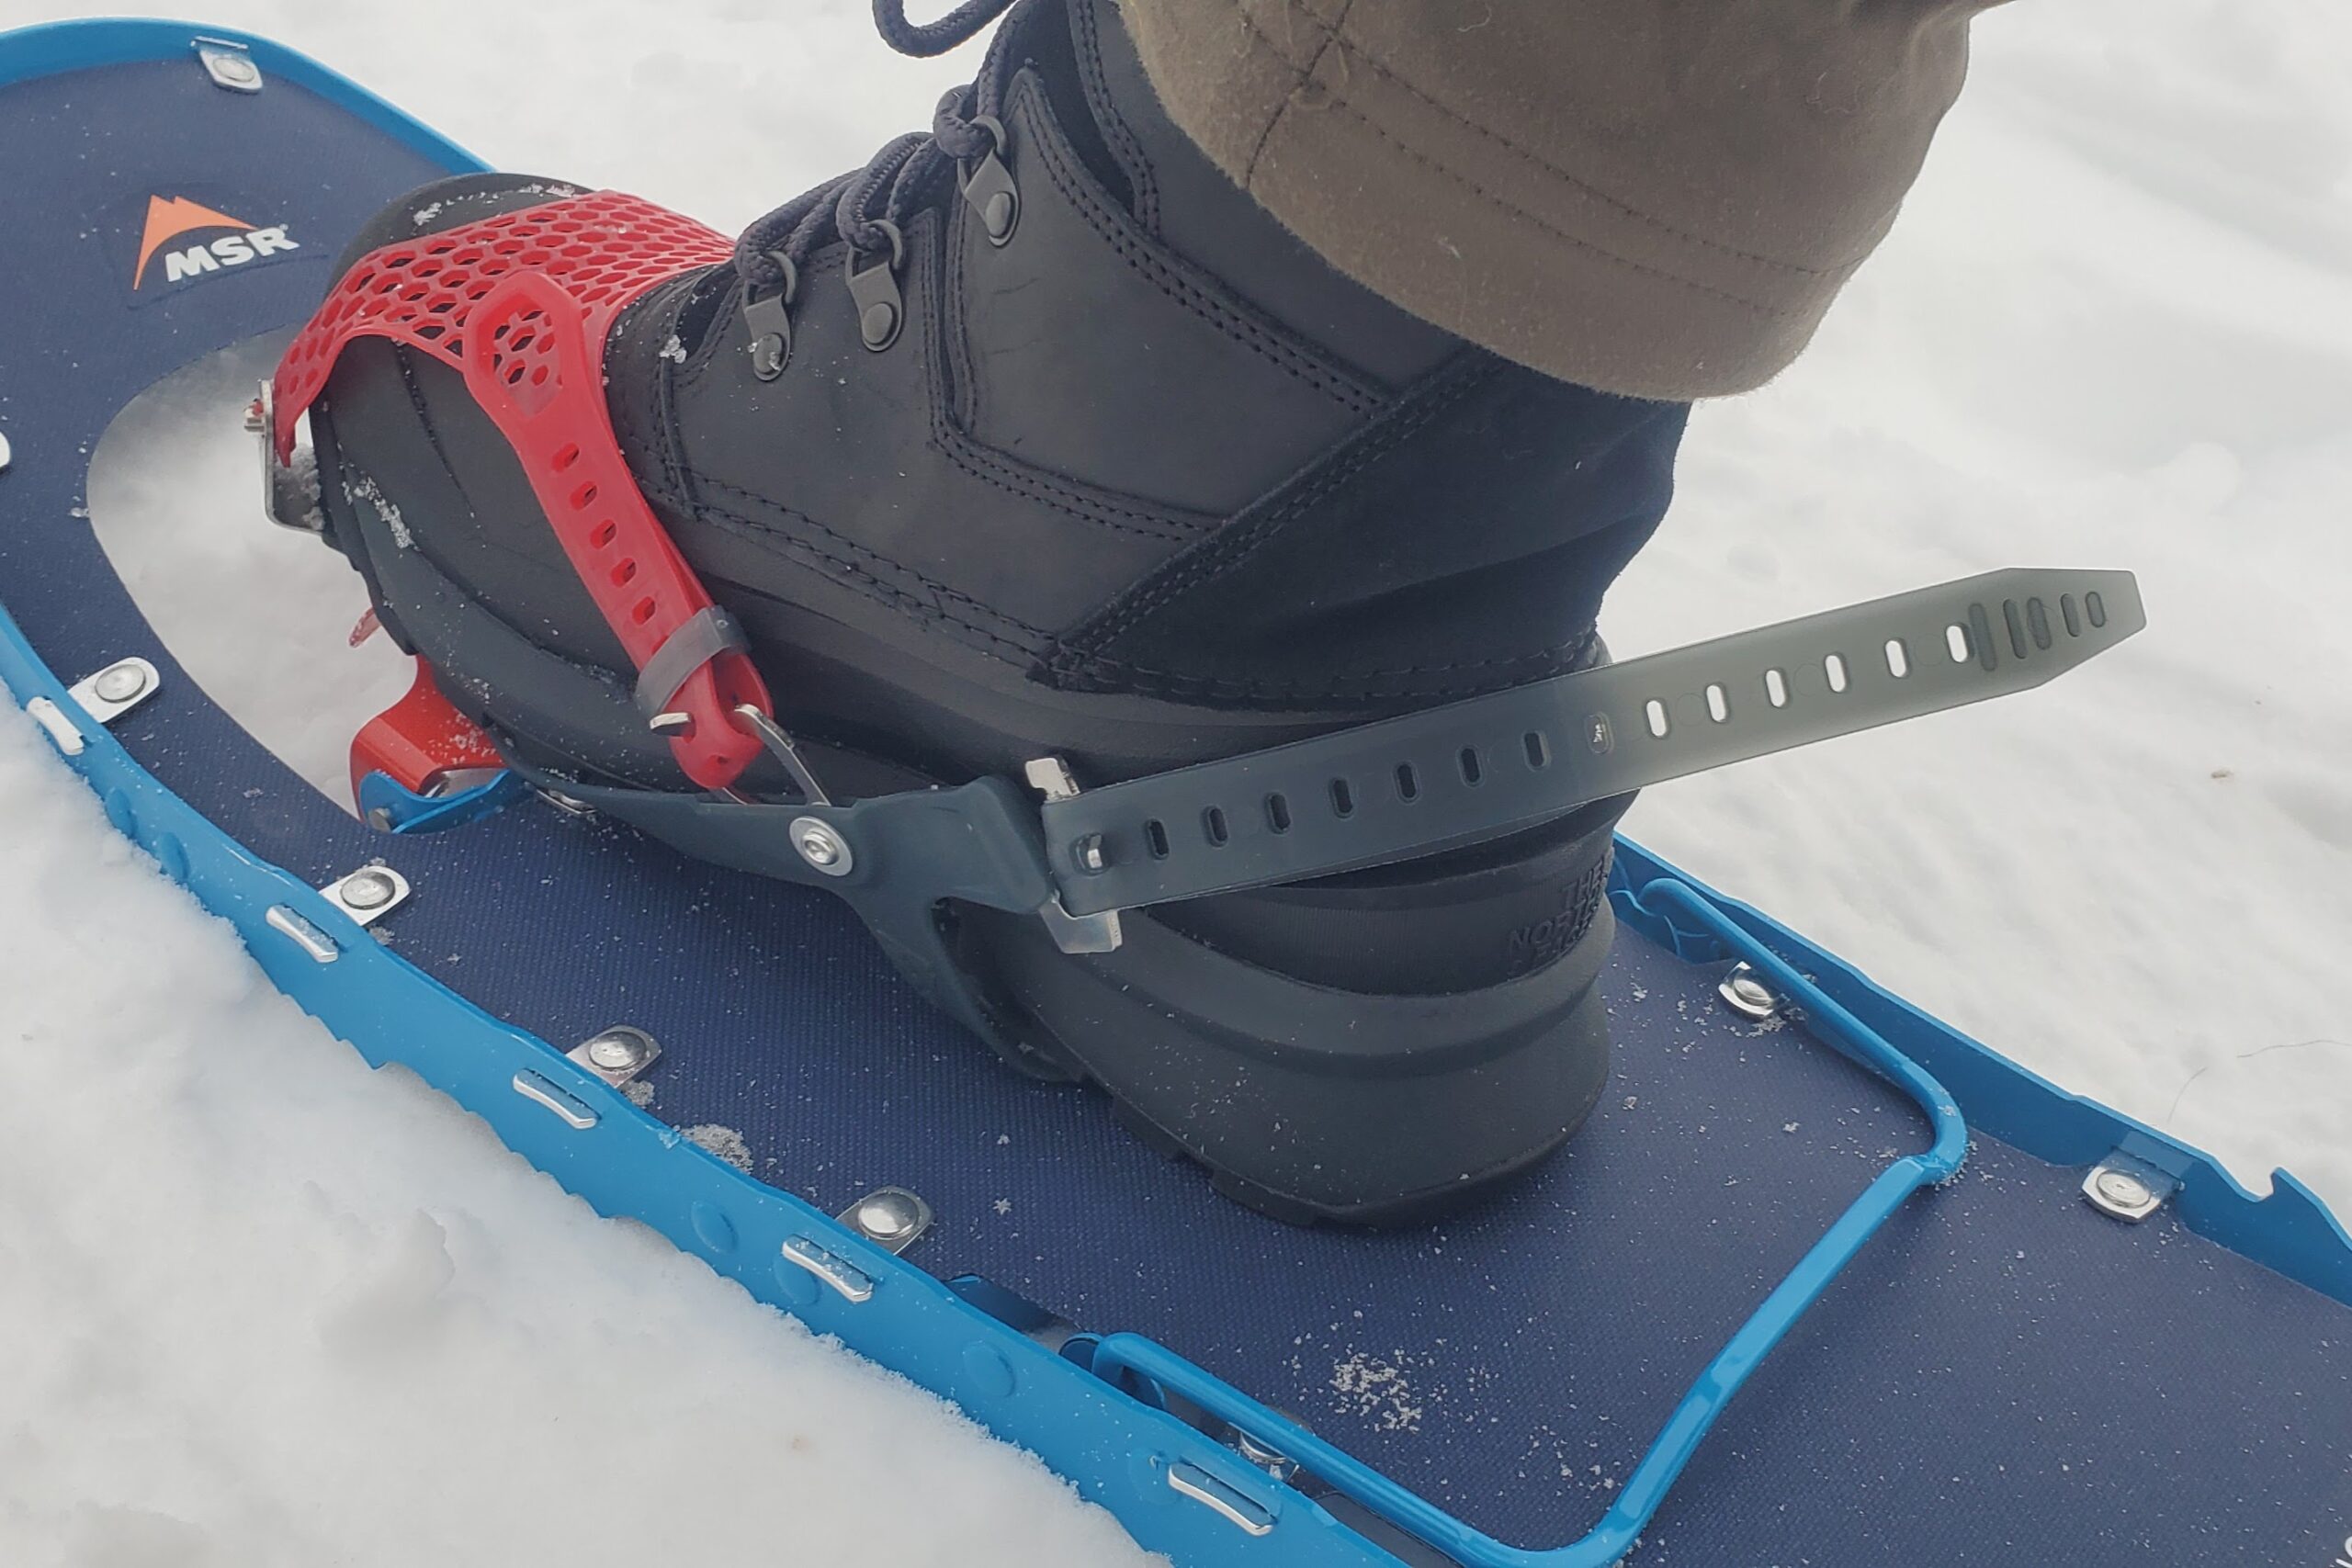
[1121, 1414]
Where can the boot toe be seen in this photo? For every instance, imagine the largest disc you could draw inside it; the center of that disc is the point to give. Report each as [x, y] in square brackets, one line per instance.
[411, 467]
[449, 202]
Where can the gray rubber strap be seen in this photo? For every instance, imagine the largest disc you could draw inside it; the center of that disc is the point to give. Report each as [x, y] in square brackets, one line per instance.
[694, 644]
[1473, 770]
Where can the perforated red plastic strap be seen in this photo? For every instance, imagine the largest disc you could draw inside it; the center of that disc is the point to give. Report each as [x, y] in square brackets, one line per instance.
[520, 304]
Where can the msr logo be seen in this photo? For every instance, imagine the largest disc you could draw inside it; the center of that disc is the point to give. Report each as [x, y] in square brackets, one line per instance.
[173, 218]
[2343, 1558]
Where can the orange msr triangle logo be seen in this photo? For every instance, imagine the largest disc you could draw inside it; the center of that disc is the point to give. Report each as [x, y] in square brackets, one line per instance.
[168, 219]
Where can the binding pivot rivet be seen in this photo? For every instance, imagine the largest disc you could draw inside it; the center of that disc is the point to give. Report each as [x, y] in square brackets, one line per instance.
[821, 847]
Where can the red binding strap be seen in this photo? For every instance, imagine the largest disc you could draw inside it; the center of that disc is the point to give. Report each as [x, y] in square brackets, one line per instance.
[520, 304]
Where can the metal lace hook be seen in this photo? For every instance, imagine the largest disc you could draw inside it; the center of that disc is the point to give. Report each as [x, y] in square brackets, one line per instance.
[768, 320]
[770, 734]
[881, 309]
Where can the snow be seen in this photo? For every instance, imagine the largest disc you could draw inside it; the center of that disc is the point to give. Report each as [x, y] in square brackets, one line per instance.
[264, 1307]
[174, 490]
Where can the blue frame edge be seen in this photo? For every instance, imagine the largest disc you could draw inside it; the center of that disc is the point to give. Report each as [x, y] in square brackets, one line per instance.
[48, 48]
[2291, 1231]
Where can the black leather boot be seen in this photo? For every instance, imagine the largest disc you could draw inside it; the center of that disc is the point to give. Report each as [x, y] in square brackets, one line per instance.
[1038, 439]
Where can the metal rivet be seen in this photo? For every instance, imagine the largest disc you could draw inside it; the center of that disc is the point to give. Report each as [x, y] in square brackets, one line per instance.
[767, 356]
[1746, 995]
[120, 682]
[367, 890]
[1088, 853]
[878, 323]
[615, 1051]
[2125, 1188]
[116, 690]
[999, 215]
[890, 1217]
[229, 66]
[616, 1054]
[821, 847]
[883, 1221]
[1281, 1466]
[369, 893]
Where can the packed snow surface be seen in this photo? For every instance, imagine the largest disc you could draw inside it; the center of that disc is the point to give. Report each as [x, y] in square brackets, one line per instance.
[263, 1308]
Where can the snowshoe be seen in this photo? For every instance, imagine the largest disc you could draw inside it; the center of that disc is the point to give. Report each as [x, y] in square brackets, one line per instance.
[685, 1040]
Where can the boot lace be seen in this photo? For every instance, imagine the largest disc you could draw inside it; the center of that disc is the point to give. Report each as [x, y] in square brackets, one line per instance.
[865, 206]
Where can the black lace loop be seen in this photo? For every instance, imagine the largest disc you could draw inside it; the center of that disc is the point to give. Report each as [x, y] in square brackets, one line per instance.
[865, 204]
[951, 31]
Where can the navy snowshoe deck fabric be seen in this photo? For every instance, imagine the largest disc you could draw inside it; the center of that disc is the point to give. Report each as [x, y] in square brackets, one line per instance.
[2003, 1377]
